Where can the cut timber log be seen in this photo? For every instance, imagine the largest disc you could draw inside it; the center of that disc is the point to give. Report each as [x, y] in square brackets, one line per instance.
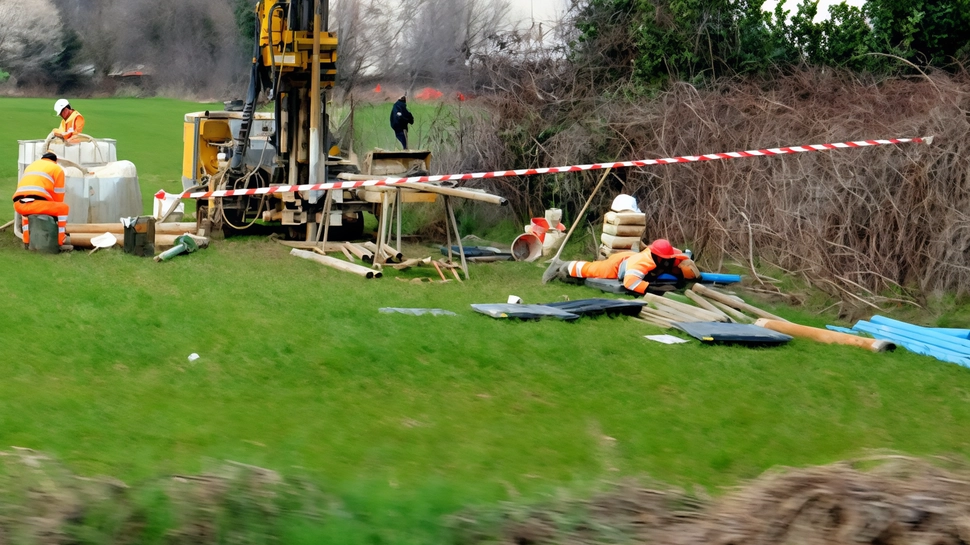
[654, 314]
[362, 253]
[118, 229]
[825, 336]
[671, 314]
[347, 254]
[304, 245]
[659, 322]
[336, 263]
[389, 253]
[83, 240]
[413, 262]
[684, 308]
[735, 314]
[733, 302]
[705, 304]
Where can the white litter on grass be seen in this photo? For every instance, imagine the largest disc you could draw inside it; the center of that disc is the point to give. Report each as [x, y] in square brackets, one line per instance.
[417, 311]
[515, 300]
[666, 339]
[193, 356]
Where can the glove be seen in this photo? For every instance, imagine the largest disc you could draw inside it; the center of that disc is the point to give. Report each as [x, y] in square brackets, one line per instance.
[690, 269]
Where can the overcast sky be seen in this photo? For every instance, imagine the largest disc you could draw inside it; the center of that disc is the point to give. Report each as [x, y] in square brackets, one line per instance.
[549, 10]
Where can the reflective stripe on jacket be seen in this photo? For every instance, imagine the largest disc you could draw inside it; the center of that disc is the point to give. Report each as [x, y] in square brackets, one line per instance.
[72, 126]
[44, 180]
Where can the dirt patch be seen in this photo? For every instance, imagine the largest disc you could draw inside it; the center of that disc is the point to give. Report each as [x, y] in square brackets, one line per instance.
[887, 500]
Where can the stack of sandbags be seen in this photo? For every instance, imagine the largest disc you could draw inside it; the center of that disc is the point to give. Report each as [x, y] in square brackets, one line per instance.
[622, 231]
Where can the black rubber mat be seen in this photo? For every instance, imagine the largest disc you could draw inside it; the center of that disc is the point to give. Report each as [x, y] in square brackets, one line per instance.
[735, 333]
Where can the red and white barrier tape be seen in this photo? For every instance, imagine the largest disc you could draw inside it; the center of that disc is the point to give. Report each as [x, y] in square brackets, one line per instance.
[549, 170]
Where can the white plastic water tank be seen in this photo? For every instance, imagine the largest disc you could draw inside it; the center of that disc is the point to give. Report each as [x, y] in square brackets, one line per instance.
[103, 194]
[99, 189]
[84, 154]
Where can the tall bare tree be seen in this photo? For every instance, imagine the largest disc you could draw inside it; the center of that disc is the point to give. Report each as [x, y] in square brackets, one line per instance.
[30, 35]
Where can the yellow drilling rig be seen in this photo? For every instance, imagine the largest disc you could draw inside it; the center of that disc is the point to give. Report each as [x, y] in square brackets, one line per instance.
[294, 66]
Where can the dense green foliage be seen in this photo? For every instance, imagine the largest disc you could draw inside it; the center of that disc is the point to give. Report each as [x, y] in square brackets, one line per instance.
[650, 41]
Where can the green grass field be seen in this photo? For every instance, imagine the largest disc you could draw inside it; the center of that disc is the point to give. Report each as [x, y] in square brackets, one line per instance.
[403, 419]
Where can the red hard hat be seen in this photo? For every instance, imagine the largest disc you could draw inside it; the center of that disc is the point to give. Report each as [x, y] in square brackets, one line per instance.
[662, 248]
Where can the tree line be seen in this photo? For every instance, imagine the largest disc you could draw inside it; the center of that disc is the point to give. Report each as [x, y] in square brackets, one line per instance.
[190, 47]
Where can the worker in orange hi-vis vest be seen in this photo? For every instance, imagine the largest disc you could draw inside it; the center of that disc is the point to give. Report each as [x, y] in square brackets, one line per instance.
[636, 269]
[72, 122]
[41, 191]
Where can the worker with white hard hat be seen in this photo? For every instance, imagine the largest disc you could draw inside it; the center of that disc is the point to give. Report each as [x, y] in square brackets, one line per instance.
[72, 122]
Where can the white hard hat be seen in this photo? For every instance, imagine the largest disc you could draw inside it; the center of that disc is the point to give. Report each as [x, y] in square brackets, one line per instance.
[60, 105]
[624, 203]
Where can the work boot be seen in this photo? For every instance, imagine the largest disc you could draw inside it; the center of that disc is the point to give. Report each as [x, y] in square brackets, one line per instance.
[67, 248]
[552, 271]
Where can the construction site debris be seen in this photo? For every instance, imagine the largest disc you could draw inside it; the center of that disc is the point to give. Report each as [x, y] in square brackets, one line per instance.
[825, 336]
[119, 228]
[184, 244]
[665, 339]
[921, 340]
[711, 332]
[733, 302]
[336, 263]
[416, 311]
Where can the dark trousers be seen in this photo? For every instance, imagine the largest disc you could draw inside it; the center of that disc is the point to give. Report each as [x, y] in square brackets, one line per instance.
[402, 137]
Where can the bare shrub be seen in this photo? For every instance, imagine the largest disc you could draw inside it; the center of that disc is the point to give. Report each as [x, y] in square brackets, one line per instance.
[867, 225]
[899, 501]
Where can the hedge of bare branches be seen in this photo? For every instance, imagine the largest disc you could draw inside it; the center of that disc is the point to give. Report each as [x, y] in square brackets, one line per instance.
[864, 224]
[900, 501]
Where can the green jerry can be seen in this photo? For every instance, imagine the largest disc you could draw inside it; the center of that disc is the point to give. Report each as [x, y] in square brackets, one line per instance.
[43, 234]
[140, 236]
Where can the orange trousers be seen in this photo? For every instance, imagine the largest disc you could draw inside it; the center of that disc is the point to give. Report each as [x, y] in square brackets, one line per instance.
[59, 210]
[607, 268]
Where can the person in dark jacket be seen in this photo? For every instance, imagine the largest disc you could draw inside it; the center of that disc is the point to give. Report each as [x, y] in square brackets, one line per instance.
[400, 119]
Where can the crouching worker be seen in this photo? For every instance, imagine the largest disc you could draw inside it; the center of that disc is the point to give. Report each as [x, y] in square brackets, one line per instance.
[636, 269]
[41, 191]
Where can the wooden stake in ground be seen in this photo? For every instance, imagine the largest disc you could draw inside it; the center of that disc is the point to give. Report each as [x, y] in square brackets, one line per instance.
[580, 215]
[6, 226]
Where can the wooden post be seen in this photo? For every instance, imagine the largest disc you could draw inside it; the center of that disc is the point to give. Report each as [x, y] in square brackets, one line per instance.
[731, 302]
[454, 223]
[705, 304]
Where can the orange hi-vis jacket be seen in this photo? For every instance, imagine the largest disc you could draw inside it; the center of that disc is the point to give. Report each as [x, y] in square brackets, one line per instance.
[41, 190]
[43, 180]
[71, 127]
[635, 269]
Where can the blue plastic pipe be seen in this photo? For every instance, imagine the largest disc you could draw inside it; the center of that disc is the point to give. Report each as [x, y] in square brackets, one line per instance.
[933, 337]
[715, 278]
[912, 342]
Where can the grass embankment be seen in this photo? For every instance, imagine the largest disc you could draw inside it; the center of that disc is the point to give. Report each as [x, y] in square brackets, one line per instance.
[404, 419]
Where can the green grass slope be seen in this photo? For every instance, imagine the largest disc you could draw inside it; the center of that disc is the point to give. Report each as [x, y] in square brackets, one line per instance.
[404, 418]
